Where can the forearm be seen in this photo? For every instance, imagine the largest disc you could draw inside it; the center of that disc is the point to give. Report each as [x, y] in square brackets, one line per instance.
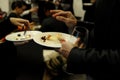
[81, 60]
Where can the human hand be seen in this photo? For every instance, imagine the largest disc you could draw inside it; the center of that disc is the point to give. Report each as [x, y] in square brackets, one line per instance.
[67, 47]
[78, 43]
[34, 9]
[65, 16]
[19, 22]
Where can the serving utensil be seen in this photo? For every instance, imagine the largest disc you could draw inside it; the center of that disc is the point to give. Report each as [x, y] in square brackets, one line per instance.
[25, 25]
[24, 32]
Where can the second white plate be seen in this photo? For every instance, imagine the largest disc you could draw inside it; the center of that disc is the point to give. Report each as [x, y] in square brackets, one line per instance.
[50, 43]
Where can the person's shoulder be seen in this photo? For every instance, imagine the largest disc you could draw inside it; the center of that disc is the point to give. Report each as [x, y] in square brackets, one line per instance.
[48, 19]
[12, 14]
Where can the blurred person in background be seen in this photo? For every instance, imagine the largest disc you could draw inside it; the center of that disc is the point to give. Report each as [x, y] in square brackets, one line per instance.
[27, 14]
[31, 10]
[89, 7]
[18, 7]
[3, 14]
[57, 4]
[41, 15]
[51, 24]
[67, 5]
[101, 59]
[21, 9]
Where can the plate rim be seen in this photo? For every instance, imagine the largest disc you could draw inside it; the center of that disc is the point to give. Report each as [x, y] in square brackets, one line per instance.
[6, 37]
[51, 45]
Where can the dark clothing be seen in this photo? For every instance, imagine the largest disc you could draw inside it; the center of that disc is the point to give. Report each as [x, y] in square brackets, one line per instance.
[90, 13]
[7, 50]
[6, 27]
[51, 24]
[29, 15]
[41, 13]
[26, 16]
[7, 47]
[12, 14]
[102, 60]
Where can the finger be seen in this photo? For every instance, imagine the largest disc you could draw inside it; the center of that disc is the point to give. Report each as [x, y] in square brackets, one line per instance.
[55, 11]
[65, 13]
[60, 18]
[23, 27]
[57, 50]
[23, 20]
[63, 19]
[82, 45]
[55, 62]
[21, 24]
[64, 53]
[61, 13]
[27, 25]
[77, 42]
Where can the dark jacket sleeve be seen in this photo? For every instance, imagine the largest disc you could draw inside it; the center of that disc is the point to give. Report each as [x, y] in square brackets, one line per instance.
[103, 59]
[89, 25]
[93, 60]
[6, 27]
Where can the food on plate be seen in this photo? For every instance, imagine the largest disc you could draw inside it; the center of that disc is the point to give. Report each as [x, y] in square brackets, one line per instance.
[43, 38]
[28, 36]
[19, 36]
[60, 37]
[52, 37]
[56, 37]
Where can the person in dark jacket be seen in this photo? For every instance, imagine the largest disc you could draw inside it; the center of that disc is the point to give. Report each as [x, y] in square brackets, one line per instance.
[7, 48]
[90, 11]
[6, 27]
[101, 60]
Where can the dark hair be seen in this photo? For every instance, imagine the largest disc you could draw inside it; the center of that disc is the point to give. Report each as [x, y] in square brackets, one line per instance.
[43, 7]
[49, 6]
[18, 4]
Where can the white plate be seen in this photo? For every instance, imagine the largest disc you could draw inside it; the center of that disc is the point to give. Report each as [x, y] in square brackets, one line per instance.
[19, 36]
[87, 4]
[52, 43]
